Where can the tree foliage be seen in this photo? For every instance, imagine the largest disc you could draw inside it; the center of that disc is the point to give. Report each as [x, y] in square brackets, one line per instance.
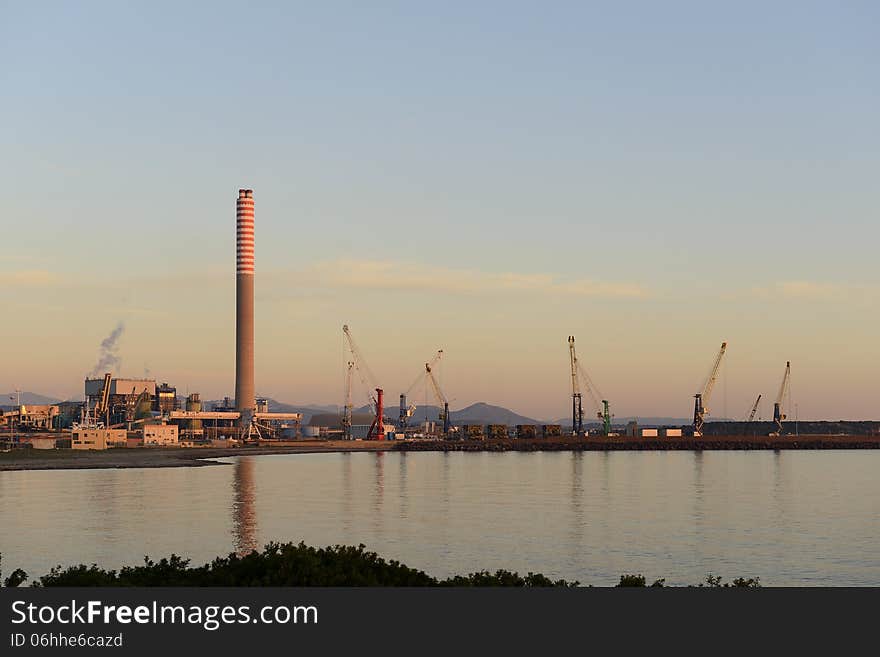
[290, 564]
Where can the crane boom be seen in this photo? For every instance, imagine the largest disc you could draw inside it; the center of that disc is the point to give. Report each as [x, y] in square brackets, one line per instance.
[702, 397]
[360, 364]
[754, 409]
[778, 405]
[713, 374]
[377, 428]
[407, 409]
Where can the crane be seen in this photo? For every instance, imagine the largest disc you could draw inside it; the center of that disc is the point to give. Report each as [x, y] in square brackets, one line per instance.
[778, 415]
[577, 409]
[705, 393]
[407, 410]
[580, 377]
[754, 409]
[347, 409]
[440, 398]
[368, 379]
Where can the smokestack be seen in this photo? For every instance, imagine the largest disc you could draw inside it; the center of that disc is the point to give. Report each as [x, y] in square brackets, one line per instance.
[245, 401]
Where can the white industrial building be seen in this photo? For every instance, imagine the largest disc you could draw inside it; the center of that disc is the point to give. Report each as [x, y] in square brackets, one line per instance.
[160, 434]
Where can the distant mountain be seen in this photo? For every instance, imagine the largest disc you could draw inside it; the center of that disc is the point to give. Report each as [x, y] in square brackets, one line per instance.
[334, 420]
[11, 398]
[482, 413]
[479, 413]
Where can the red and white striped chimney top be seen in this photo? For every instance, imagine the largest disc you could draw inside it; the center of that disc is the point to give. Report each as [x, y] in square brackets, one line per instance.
[244, 226]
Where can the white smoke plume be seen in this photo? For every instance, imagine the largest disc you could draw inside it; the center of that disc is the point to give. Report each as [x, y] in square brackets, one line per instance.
[108, 358]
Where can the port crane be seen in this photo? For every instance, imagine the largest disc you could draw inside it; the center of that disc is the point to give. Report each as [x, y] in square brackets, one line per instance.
[438, 393]
[754, 409]
[701, 399]
[577, 408]
[580, 376]
[347, 409]
[368, 379]
[778, 415]
[408, 409]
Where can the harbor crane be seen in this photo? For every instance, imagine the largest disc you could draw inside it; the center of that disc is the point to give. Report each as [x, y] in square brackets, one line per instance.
[347, 409]
[441, 398]
[701, 399]
[754, 409]
[408, 409]
[579, 377]
[577, 409]
[778, 415]
[368, 379]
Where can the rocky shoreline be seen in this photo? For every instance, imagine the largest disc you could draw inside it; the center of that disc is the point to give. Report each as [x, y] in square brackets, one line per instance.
[31, 459]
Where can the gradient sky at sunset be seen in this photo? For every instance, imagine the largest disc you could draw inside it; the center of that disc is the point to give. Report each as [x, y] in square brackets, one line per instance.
[484, 177]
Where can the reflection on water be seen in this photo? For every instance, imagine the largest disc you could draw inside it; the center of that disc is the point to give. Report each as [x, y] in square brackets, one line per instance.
[347, 492]
[787, 517]
[401, 475]
[244, 514]
[380, 479]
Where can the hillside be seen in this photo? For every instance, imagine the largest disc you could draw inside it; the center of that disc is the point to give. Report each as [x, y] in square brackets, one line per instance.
[11, 398]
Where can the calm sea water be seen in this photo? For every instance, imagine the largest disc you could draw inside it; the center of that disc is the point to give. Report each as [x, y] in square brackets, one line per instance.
[809, 518]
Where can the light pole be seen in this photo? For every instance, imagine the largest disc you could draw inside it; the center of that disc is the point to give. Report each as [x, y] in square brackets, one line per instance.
[17, 424]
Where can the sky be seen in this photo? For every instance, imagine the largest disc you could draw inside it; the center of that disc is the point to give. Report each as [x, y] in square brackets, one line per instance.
[486, 177]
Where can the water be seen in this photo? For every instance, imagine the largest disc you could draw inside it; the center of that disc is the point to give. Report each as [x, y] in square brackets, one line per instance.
[790, 518]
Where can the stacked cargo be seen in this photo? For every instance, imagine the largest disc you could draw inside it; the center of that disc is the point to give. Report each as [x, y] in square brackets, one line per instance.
[526, 431]
[551, 430]
[472, 431]
[649, 433]
[497, 431]
[672, 433]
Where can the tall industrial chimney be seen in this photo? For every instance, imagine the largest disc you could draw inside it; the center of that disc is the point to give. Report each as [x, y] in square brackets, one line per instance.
[245, 400]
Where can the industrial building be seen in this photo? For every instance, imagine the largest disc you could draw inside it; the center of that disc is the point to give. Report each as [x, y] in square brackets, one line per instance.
[93, 437]
[160, 434]
[31, 417]
[166, 399]
[127, 399]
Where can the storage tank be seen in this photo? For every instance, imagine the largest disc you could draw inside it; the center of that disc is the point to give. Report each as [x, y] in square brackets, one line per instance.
[194, 403]
[311, 432]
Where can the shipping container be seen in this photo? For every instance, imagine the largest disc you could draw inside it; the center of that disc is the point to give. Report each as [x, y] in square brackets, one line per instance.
[526, 431]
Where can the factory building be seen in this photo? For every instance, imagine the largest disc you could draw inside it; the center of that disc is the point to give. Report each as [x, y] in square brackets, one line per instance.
[160, 435]
[126, 398]
[166, 399]
[90, 437]
[31, 417]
